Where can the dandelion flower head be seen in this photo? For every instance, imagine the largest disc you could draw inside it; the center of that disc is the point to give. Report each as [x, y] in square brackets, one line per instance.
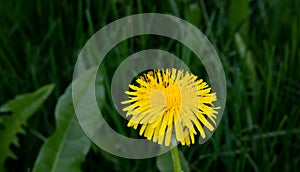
[171, 104]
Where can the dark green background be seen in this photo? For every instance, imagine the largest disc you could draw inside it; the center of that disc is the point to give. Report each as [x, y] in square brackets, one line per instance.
[40, 41]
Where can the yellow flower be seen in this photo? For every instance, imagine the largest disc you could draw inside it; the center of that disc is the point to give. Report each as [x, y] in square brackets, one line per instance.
[171, 101]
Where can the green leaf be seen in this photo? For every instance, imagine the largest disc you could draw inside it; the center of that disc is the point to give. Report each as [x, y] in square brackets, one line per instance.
[193, 14]
[247, 56]
[238, 15]
[21, 108]
[66, 149]
[164, 162]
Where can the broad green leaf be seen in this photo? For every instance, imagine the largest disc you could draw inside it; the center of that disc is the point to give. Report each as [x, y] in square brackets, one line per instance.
[21, 108]
[66, 149]
[164, 162]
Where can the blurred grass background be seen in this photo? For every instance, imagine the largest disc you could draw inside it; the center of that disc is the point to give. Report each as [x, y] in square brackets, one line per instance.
[258, 42]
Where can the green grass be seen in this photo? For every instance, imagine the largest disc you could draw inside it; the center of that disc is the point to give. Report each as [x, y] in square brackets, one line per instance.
[257, 43]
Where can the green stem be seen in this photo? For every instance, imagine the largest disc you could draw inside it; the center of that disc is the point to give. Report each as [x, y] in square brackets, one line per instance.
[175, 159]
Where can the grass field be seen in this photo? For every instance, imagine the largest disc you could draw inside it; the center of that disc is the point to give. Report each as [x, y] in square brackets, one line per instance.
[258, 43]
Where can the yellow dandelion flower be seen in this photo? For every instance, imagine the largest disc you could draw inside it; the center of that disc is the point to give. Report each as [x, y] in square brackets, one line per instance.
[168, 102]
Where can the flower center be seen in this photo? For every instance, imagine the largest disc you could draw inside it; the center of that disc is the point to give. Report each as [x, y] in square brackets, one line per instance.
[157, 98]
[169, 97]
[173, 95]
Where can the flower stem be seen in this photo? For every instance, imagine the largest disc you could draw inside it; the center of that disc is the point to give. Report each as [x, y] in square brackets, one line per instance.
[175, 159]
